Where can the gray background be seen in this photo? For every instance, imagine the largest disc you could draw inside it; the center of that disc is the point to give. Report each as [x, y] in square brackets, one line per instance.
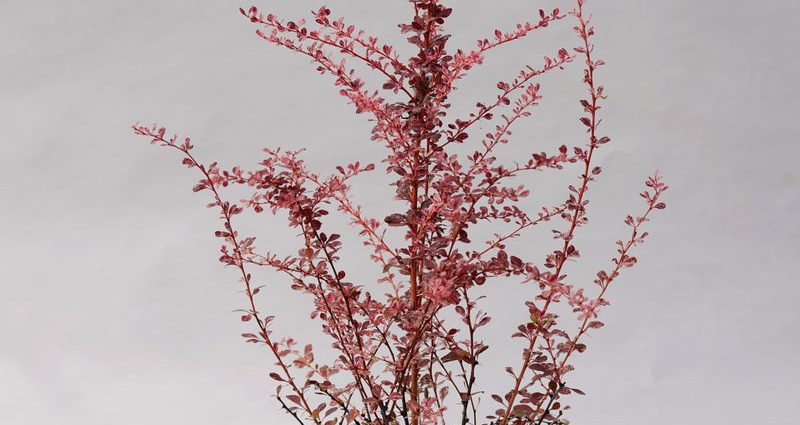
[114, 311]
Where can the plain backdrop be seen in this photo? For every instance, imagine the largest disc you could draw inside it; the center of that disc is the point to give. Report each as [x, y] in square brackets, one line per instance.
[114, 310]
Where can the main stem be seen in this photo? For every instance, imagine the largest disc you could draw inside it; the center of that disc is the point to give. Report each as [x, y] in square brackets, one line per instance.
[414, 278]
[421, 93]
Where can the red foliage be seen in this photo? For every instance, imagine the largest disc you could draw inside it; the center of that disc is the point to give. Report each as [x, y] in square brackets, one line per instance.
[399, 357]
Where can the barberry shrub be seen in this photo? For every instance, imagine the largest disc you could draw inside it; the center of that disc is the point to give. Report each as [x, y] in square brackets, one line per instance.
[407, 346]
